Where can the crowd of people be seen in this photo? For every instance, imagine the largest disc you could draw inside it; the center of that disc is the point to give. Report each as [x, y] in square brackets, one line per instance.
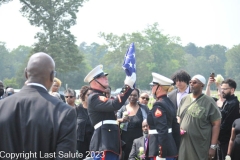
[183, 123]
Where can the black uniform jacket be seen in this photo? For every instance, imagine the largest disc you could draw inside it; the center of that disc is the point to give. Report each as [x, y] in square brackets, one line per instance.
[34, 121]
[162, 117]
[230, 112]
[107, 136]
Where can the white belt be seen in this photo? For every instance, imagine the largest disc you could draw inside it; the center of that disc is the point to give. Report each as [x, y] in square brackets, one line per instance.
[99, 124]
[154, 131]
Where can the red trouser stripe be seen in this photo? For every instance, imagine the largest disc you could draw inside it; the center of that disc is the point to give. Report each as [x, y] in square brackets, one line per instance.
[103, 156]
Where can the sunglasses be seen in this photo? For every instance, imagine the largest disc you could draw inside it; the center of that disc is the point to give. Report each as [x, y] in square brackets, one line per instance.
[145, 98]
[69, 96]
[9, 93]
[193, 82]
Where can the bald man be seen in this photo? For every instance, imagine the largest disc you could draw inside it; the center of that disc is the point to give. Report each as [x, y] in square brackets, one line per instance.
[34, 124]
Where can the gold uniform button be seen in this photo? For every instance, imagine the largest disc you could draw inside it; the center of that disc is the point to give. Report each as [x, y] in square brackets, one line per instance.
[109, 130]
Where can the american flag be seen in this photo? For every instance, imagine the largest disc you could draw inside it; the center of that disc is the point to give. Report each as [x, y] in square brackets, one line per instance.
[129, 64]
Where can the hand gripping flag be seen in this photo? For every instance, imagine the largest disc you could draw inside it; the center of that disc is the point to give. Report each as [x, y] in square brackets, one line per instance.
[129, 64]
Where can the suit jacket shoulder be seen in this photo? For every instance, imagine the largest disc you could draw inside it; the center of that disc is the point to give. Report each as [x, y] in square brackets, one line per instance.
[32, 115]
[137, 143]
[173, 97]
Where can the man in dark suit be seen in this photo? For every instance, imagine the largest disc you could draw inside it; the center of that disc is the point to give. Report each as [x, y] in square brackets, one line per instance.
[140, 144]
[34, 124]
[181, 80]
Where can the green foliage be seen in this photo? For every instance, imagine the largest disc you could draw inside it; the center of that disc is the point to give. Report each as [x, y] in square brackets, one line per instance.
[21, 55]
[232, 65]
[155, 52]
[4, 1]
[192, 49]
[93, 54]
[12, 63]
[209, 59]
[4, 65]
[11, 83]
[55, 18]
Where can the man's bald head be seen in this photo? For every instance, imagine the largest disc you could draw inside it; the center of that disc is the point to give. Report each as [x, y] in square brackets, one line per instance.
[40, 69]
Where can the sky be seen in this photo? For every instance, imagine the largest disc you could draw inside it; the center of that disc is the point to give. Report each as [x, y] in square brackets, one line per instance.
[202, 22]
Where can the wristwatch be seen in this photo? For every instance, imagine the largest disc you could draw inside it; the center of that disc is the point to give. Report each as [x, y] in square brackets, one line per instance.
[213, 146]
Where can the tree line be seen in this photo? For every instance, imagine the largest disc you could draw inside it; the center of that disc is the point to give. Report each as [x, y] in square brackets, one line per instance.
[155, 52]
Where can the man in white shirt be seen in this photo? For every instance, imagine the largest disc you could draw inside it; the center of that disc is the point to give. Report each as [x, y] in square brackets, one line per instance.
[181, 80]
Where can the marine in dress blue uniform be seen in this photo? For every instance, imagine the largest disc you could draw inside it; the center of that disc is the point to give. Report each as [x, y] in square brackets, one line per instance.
[164, 133]
[106, 142]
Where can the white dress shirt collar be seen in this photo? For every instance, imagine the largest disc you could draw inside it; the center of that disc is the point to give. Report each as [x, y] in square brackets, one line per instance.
[36, 84]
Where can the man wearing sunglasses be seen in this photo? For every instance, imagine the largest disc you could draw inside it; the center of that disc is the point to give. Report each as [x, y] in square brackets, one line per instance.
[105, 142]
[70, 97]
[144, 98]
[200, 118]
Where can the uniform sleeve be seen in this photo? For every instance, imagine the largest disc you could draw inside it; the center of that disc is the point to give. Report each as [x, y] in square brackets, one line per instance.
[120, 111]
[160, 121]
[67, 136]
[103, 104]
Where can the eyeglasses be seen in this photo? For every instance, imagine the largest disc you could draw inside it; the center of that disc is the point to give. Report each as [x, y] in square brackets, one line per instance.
[9, 93]
[69, 96]
[193, 82]
[145, 98]
[225, 89]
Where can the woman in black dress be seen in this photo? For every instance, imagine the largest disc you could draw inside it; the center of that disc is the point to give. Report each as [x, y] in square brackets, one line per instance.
[133, 128]
[85, 128]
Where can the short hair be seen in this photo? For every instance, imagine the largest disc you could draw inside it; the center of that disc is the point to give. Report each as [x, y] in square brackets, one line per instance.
[181, 75]
[71, 91]
[230, 82]
[83, 92]
[57, 81]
